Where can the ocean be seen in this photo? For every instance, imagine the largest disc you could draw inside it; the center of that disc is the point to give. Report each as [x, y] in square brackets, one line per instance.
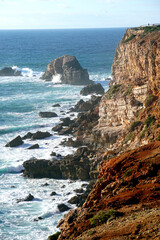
[21, 99]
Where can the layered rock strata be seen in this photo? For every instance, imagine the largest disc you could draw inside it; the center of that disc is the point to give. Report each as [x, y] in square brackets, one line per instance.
[133, 93]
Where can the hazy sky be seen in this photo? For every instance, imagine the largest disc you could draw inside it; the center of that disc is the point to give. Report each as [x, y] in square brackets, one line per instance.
[40, 14]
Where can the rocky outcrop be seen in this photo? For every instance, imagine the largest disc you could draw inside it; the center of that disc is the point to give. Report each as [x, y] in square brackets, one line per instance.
[127, 185]
[69, 71]
[92, 89]
[9, 72]
[47, 114]
[15, 142]
[81, 165]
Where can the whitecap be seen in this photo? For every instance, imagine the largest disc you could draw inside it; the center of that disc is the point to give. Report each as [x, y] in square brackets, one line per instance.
[12, 169]
[56, 78]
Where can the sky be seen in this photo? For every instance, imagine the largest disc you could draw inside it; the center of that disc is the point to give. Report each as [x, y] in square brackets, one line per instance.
[55, 14]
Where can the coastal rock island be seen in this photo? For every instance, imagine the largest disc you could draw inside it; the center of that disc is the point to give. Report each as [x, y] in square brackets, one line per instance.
[69, 71]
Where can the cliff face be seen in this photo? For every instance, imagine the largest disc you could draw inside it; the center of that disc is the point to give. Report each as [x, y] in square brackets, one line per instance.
[137, 59]
[133, 93]
[124, 202]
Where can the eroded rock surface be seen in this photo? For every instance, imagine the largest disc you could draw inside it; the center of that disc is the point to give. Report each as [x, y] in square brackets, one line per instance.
[69, 70]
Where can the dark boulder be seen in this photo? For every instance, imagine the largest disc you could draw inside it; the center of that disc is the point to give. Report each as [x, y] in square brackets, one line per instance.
[69, 69]
[47, 114]
[63, 208]
[35, 146]
[92, 89]
[9, 72]
[40, 135]
[15, 142]
[53, 194]
[30, 197]
[66, 131]
[83, 106]
[74, 200]
[27, 136]
[79, 190]
[40, 168]
[66, 121]
[56, 105]
[57, 128]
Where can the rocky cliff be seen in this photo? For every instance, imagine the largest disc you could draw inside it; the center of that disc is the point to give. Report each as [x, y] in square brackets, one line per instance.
[69, 71]
[129, 111]
[124, 202]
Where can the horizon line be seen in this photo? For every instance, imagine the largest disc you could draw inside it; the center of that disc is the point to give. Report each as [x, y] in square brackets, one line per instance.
[60, 28]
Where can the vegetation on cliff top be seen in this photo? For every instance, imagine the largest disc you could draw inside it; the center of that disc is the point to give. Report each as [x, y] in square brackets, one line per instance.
[148, 29]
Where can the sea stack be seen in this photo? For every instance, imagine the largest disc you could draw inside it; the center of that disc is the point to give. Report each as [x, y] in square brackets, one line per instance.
[69, 71]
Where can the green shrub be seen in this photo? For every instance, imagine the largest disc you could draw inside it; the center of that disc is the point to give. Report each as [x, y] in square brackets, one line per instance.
[150, 120]
[158, 138]
[129, 136]
[128, 173]
[128, 91]
[54, 236]
[134, 125]
[149, 100]
[91, 232]
[102, 216]
[143, 133]
[113, 90]
[129, 38]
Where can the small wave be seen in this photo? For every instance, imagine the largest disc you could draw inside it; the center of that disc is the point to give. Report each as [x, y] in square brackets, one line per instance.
[12, 169]
[56, 78]
[11, 129]
[27, 72]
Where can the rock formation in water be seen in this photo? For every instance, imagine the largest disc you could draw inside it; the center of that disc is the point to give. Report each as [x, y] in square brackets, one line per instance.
[69, 70]
[9, 72]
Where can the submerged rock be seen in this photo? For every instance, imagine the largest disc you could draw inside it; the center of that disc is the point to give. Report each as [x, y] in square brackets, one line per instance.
[47, 114]
[15, 142]
[9, 72]
[92, 89]
[40, 135]
[35, 146]
[30, 197]
[56, 105]
[69, 70]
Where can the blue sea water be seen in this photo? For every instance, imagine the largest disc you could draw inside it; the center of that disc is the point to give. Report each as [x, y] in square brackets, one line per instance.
[21, 99]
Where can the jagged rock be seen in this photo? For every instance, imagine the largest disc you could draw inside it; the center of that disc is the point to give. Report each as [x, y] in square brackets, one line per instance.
[74, 200]
[80, 190]
[15, 142]
[35, 146]
[92, 89]
[58, 128]
[53, 194]
[63, 208]
[56, 105]
[9, 72]
[30, 197]
[27, 136]
[73, 167]
[71, 143]
[69, 69]
[47, 114]
[66, 131]
[66, 121]
[82, 106]
[40, 135]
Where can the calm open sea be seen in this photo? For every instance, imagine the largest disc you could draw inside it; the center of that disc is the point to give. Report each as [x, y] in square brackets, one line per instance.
[21, 99]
